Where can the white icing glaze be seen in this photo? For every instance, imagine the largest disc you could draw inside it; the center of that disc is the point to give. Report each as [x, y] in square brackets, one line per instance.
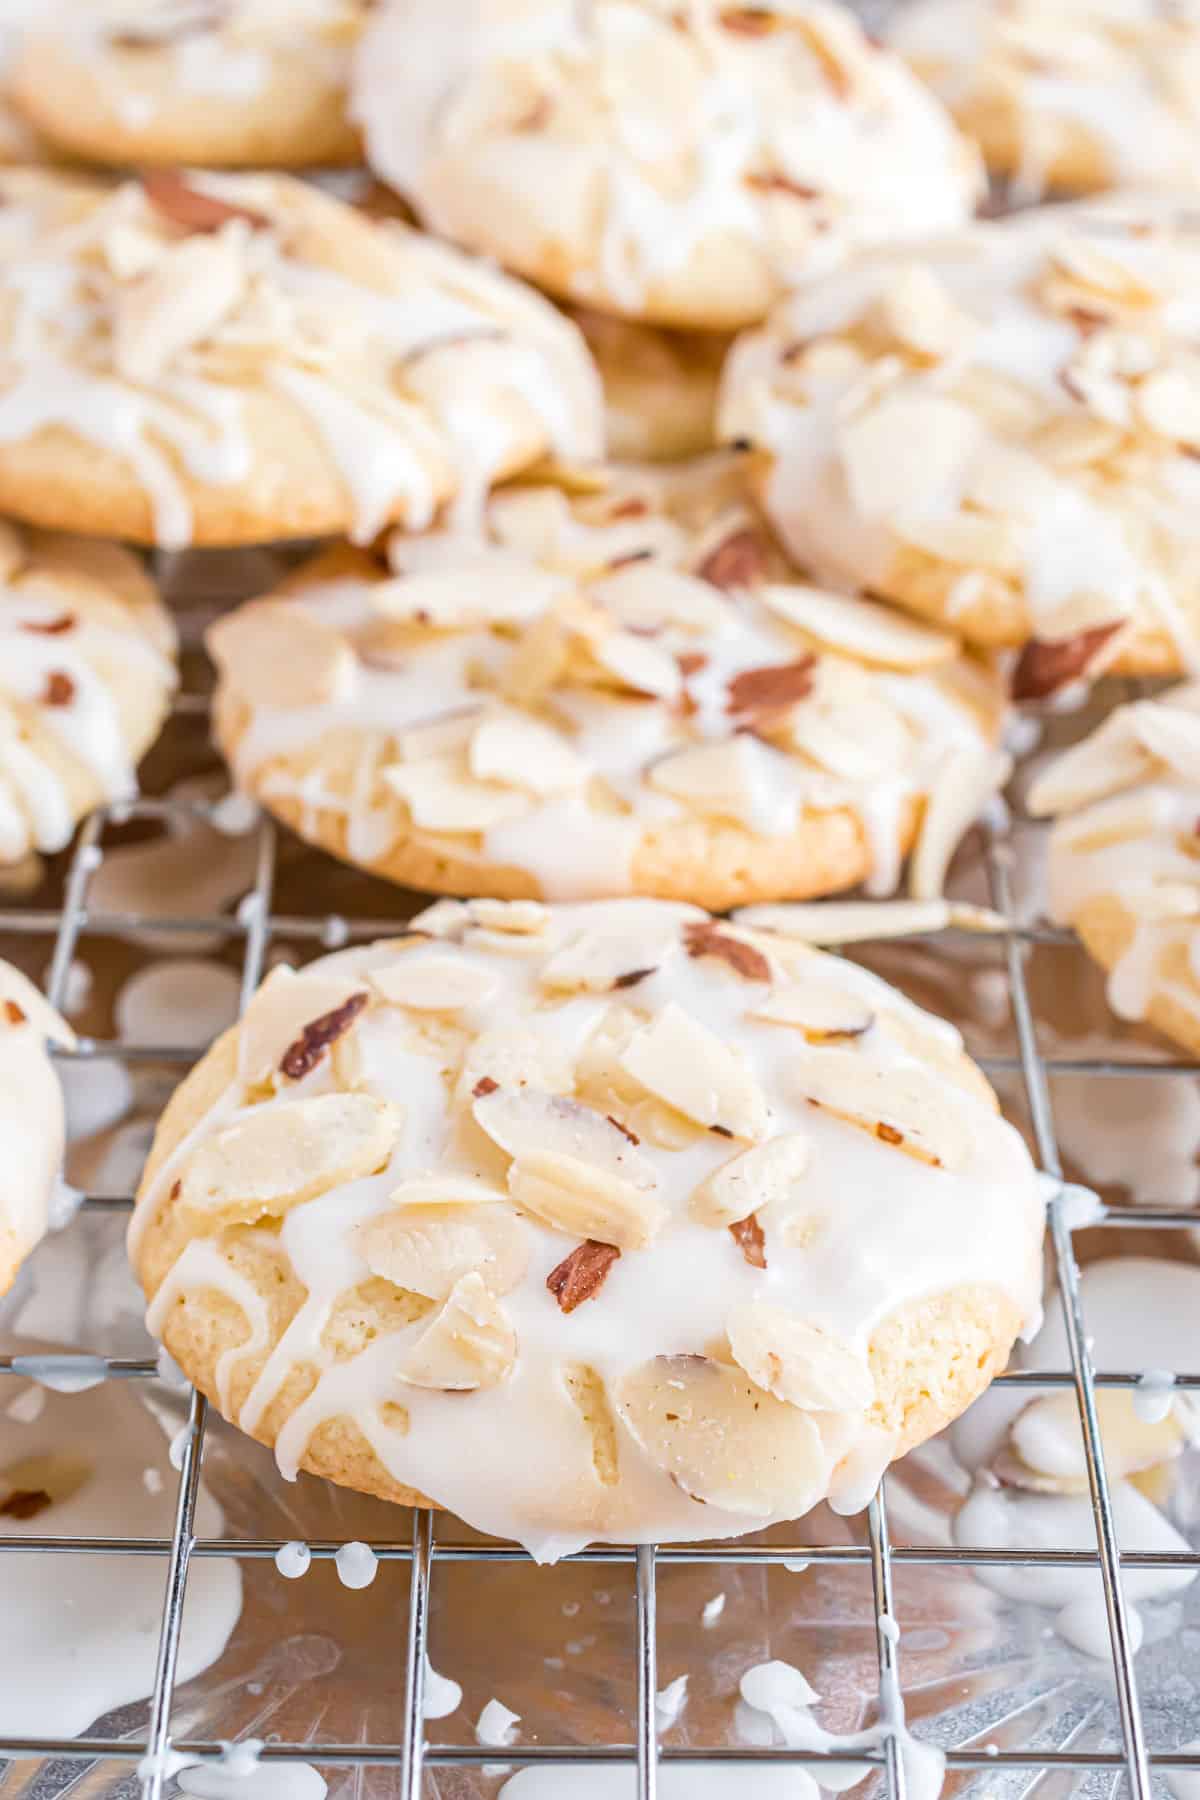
[497, 1725]
[442, 1695]
[79, 1656]
[1126, 802]
[613, 149]
[32, 1123]
[781, 1693]
[101, 343]
[689, 1781]
[617, 741]
[265, 1781]
[977, 1219]
[993, 348]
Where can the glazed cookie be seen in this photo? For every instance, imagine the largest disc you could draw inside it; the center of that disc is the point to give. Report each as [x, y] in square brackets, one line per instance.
[677, 164]
[626, 691]
[87, 670]
[595, 1222]
[660, 387]
[1068, 94]
[32, 1125]
[230, 359]
[1125, 855]
[230, 83]
[1001, 434]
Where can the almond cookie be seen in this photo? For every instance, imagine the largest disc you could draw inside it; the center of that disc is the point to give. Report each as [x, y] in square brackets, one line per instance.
[606, 1221]
[1068, 94]
[681, 165]
[87, 670]
[32, 1123]
[230, 83]
[1001, 434]
[660, 387]
[229, 359]
[1124, 860]
[624, 691]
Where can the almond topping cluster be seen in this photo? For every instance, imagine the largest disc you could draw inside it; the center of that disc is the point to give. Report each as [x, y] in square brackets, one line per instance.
[584, 1122]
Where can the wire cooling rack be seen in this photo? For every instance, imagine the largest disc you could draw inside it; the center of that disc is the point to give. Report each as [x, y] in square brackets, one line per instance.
[254, 927]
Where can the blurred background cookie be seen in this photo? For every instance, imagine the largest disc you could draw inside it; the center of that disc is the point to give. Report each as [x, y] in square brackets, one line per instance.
[678, 165]
[32, 1123]
[232, 359]
[626, 691]
[999, 433]
[228, 83]
[660, 387]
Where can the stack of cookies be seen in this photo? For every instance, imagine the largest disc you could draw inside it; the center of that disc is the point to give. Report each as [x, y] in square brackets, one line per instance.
[693, 485]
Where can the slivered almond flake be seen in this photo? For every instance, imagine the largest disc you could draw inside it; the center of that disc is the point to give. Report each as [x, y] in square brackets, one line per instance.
[821, 1009]
[440, 797]
[729, 778]
[772, 689]
[426, 1249]
[522, 752]
[276, 1019]
[319, 1035]
[59, 689]
[52, 627]
[756, 1179]
[747, 1234]
[687, 1065]
[275, 653]
[527, 1123]
[180, 302]
[514, 1056]
[651, 597]
[170, 194]
[750, 21]
[861, 628]
[604, 957]
[470, 1344]
[518, 918]
[433, 983]
[638, 665]
[704, 937]
[721, 1438]
[283, 1155]
[797, 1361]
[739, 561]
[444, 1188]
[577, 1197]
[1047, 664]
[859, 921]
[907, 1106]
[492, 587]
[1045, 1451]
[581, 1274]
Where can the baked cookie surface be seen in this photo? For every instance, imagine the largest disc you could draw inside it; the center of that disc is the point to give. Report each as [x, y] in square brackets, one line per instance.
[1076, 95]
[87, 670]
[676, 164]
[1046, 369]
[592, 1222]
[626, 691]
[660, 387]
[1124, 863]
[32, 1121]
[228, 359]
[238, 84]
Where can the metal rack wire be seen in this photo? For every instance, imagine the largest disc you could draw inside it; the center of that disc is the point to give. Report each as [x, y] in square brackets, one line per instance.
[255, 926]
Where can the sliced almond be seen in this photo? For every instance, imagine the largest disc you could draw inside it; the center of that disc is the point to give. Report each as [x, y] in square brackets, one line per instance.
[819, 1008]
[682, 1062]
[721, 1438]
[525, 1123]
[445, 1188]
[427, 1249]
[441, 798]
[1046, 665]
[520, 751]
[515, 918]
[638, 664]
[905, 1106]
[585, 1201]
[432, 983]
[860, 628]
[515, 1056]
[447, 736]
[279, 1012]
[581, 1274]
[284, 1155]
[470, 1344]
[645, 596]
[752, 1181]
[797, 1361]
[731, 778]
[976, 540]
[489, 587]
[275, 653]
[1168, 401]
[1171, 733]
[886, 481]
[595, 961]
[916, 310]
[707, 938]
[181, 301]
[1111, 759]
